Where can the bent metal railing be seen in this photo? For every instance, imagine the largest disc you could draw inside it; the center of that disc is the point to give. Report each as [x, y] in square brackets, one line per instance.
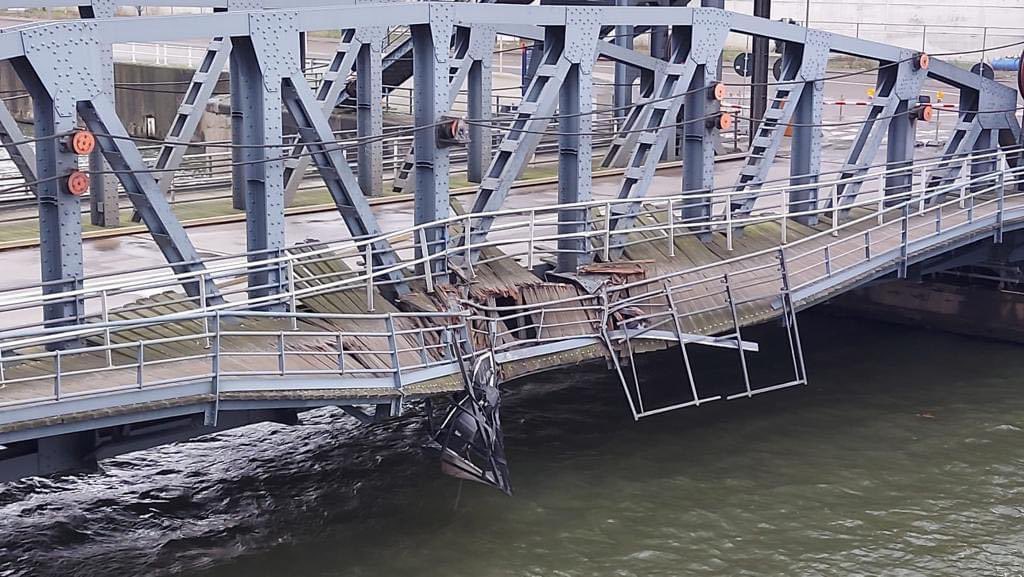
[531, 236]
[680, 306]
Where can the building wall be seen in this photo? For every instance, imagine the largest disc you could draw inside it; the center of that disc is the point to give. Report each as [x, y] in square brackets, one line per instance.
[937, 27]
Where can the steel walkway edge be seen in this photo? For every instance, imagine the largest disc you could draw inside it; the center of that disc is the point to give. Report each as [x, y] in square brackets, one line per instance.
[887, 262]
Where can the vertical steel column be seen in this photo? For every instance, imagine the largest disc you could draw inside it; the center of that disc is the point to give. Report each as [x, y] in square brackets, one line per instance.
[236, 87]
[479, 110]
[759, 70]
[624, 74]
[60, 221]
[699, 143]
[805, 158]
[369, 113]
[104, 208]
[431, 43]
[574, 164]
[985, 145]
[899, 153]
[259, 105]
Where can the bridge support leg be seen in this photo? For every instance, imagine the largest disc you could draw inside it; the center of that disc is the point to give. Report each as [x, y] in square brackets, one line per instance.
[479, 109]
[370, 117]
[698, 145]
[60, 221]
[985, 145]
[263, 168]
[624, 74]
[899, 154]
[805, 158]
[430, 78]
[104, 206]
[574, 165]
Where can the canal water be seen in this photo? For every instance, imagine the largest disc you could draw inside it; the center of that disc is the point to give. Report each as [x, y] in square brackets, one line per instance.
[904, 456]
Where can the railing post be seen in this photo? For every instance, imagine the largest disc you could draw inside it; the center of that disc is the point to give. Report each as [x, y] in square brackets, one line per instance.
[369, 276]
[396, 405]
[340, 345]
[671, 228]
[607, 231]
[970, 208]
[867, 244]
[293, 302]
[728, 220]
[467, 229]
[784, 208]
[106, 326]
[141, 358]
[211, 415]
[56, 374]
[428, 272]
[963, 181]
[1000, 201]
[835, 210]
[904, 241]
[529, 244]
[280, 353]
[202, 307]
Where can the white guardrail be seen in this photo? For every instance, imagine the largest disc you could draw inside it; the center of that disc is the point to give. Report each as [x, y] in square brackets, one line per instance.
[878, 230]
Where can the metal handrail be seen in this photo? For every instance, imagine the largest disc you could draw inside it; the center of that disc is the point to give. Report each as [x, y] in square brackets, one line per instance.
[535, 240]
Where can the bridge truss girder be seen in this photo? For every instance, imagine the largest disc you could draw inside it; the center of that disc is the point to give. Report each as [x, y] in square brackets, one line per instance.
[572, 40]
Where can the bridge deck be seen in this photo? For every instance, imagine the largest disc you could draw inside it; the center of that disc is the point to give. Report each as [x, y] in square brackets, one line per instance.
[327, 357]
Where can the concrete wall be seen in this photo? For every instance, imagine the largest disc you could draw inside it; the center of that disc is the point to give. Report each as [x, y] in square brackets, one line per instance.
[147, 97]
[938, 26]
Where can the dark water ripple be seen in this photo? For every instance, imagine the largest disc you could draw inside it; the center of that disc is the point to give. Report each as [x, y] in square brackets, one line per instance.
[903, 457]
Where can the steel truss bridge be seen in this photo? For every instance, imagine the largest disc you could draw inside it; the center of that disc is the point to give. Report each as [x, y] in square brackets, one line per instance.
[93, 365]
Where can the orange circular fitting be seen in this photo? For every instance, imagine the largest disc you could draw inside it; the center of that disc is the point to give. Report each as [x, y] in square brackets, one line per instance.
[922, 61]
[925, 113]
[725, 121]
[719, 92]
[78, 183]
[82, 142]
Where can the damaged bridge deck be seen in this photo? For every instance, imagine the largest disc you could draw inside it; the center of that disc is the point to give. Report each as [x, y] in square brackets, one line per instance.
[164, 355]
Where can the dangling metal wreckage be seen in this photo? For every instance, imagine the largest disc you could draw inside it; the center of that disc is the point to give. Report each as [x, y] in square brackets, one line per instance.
[470, 439]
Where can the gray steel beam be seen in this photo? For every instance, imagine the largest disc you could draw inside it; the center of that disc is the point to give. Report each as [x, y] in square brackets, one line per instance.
[805, 156]
[369, 111]
[190, 111]
[624, 74]
[699, 143]
[315, 133]
[899, 153]
[574, 164]
[898, 83]
[479, 110]
[104, 206]
[473, 48]
[801, 65]
[259, 146]
[18, 149]
[330, 92]
[125, 161]
[759, 68]
[64, 61]
[525, 131]
[60, 223]
[698, 45]
[431, 43]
